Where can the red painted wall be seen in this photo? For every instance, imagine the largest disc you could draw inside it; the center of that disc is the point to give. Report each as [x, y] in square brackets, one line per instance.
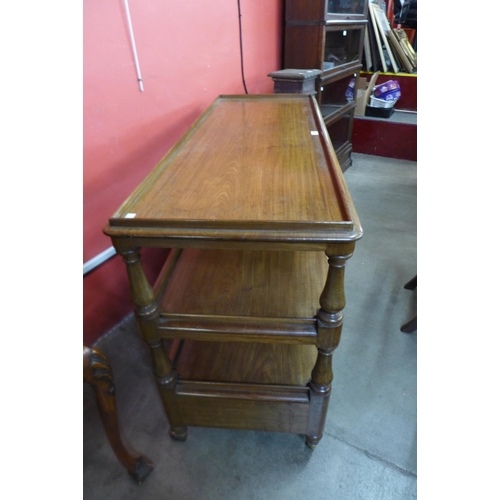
[189, 54]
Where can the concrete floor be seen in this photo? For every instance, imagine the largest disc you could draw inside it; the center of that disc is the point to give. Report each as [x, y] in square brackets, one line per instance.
[369, 447]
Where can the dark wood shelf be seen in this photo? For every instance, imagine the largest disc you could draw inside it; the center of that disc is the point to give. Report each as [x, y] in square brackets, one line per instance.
[332, 76]
[269, 297]
[332, 113]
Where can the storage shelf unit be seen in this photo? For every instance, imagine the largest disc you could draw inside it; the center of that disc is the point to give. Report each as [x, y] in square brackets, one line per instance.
[246, 313]
[328, 35]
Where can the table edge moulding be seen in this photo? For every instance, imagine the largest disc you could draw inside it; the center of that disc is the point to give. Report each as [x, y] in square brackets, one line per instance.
[244, 317]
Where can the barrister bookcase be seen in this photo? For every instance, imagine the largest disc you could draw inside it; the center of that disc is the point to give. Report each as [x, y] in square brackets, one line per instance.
[328, 35]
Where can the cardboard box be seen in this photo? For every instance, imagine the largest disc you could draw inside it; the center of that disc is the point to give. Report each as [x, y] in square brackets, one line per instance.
[365, 89]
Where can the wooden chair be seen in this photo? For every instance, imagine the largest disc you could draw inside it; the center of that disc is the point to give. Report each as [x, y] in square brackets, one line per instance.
[410, 326]
[97, 372]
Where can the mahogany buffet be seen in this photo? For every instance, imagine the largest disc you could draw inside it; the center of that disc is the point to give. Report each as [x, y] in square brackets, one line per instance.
[246, 313]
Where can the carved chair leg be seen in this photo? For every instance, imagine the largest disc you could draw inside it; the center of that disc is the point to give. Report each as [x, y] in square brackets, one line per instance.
[97, 372]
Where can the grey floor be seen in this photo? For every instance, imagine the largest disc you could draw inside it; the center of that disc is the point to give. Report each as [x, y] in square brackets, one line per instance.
[369, 449]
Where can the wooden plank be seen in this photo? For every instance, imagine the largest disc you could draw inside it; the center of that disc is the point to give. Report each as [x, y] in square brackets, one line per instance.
[224, 328]
[255, 392]
[243, 414]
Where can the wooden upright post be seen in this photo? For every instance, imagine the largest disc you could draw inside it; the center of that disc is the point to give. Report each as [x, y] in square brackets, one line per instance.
[329, 326]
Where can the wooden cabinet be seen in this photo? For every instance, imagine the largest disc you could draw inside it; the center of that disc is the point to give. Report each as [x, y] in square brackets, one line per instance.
[328, 35]
[247, 311]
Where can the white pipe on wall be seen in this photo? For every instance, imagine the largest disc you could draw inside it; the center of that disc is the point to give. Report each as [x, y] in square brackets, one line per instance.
[98, 260]
[132, 40]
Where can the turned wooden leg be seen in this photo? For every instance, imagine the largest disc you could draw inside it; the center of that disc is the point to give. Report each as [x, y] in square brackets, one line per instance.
[320, 386]
[97, 372]
[329, 326]
[147, 315]
[178, 433]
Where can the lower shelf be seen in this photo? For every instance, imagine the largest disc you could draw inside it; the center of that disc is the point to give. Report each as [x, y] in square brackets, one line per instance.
[232, 406]
[244, 385]
[333, 112]
[245, 363]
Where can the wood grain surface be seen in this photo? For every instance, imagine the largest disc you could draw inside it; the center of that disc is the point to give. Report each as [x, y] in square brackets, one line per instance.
[276, 416]
[246, 283]
[238, 362]
[254, 161]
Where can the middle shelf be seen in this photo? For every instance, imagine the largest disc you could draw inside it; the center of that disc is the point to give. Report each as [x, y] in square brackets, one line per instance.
[242, 295]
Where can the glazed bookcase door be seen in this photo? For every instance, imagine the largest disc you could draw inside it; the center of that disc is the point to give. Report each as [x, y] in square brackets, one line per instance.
[342, 48]
[345, 9]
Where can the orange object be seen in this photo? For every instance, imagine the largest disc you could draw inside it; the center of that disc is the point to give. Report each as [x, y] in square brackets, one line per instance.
[410, 33]
[390, 12]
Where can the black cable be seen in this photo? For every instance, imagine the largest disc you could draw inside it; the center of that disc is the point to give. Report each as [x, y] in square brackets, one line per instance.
[241, 50]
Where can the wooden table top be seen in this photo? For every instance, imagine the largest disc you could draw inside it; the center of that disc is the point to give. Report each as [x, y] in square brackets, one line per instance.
[250, 165]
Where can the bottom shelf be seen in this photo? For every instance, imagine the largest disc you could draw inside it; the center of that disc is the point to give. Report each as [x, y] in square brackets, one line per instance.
[239, 385]
[232, 406]
[246, 386]
[245, 363]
